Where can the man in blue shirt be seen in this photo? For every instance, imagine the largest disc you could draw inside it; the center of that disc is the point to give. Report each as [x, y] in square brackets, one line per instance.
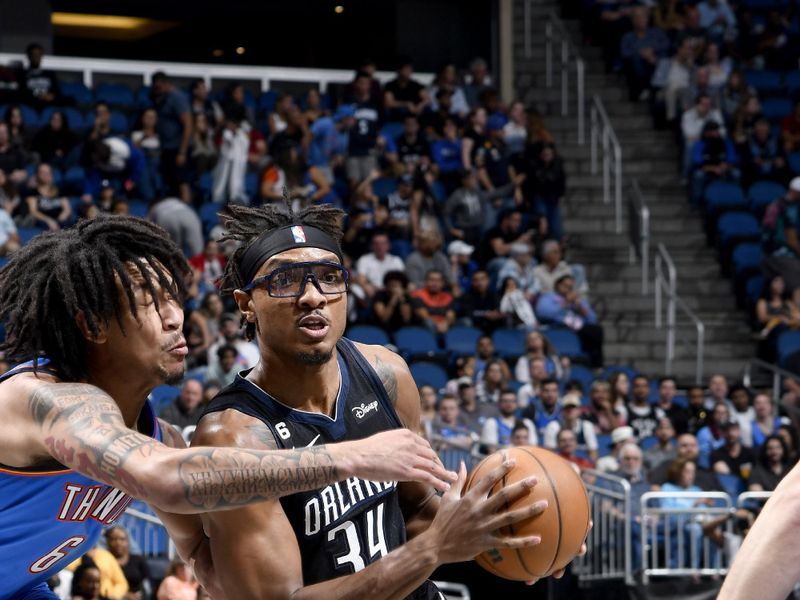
[329, 140]
[640, 49]
[175, 132]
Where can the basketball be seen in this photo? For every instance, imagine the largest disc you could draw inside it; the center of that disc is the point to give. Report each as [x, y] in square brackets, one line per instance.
[563, 525]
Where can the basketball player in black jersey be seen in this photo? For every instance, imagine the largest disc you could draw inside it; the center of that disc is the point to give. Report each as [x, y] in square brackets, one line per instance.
[355, 539]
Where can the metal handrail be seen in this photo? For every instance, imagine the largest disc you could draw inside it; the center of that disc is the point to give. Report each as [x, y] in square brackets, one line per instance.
[668, 286]
[776, 371]
[603, 132]
[153, 520]
[555, 32]
[639, 231]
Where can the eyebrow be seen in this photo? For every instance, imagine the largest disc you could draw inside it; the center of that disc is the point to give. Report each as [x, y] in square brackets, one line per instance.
[282, 262]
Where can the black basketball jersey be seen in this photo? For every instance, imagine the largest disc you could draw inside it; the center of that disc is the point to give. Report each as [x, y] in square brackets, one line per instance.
[343, 527]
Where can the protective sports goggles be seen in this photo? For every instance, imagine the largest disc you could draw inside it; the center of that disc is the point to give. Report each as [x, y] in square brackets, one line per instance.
[289, 281]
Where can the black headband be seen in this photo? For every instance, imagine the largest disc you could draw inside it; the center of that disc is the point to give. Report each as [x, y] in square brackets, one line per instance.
[274, 241]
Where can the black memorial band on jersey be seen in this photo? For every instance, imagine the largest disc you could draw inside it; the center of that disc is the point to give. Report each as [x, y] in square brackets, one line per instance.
[274, 241]
[344, 527]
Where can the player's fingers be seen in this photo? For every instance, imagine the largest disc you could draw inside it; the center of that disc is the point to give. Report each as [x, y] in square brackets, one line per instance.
[507, 541]
[439, 483]
[458, 484]
[510, 494]
[515, 516]
[485, 483]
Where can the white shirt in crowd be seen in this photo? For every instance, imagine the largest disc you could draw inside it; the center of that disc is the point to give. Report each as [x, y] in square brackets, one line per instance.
[373, 269]
[490, 434]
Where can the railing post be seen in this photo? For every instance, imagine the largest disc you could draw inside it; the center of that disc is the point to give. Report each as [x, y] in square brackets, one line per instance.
[657, 291]
[645, 251]
[618, 185]
[701, 332]
[606, 166]
[564, 77]
[548, 53]
[580, 75]
[593, 133]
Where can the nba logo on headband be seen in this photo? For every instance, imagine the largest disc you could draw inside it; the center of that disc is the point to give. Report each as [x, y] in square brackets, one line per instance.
[298, 234]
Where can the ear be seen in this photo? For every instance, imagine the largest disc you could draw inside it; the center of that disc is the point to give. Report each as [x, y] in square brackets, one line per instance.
[102, 334]
[246, 306]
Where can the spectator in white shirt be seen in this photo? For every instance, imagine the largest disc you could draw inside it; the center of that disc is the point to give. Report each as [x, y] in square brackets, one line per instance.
[9, 238]
[497, 430]
[372, 267]
[692, 123]
[571, 419]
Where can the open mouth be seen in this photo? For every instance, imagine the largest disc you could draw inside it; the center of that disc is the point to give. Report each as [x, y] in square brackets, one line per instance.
[314, 326]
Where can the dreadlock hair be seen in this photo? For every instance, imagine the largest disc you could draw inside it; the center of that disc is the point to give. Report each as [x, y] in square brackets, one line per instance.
[243, 224]
[58, 275]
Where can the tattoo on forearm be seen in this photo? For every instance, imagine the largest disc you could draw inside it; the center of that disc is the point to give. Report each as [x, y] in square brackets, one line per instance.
[388, 378]
[83, 429]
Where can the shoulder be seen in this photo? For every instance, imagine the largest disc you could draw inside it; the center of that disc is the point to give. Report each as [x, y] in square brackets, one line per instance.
[234, 429]
[393, 372]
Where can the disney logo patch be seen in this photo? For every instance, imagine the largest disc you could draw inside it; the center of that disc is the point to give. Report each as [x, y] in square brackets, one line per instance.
[361, 411]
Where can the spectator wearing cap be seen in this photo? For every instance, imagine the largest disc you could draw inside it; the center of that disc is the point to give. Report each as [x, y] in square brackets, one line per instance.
[571, 419]
[714, 158]
[404, 94]
[521, 266]
[565, 306]
[497, 430]
[398, 205]
[620, 437]
[426, 257]
[469, 207]
[230, 333]
[392, 305]
[491, 159]
[433, 306]
[461, 265]
[733, 457]
[479, 305]
[329, 136]
[553, 267]
[413, 147]
[371, 268]
[473, 413]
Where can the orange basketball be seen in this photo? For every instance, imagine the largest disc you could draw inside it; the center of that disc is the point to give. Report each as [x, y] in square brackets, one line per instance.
[563, 525]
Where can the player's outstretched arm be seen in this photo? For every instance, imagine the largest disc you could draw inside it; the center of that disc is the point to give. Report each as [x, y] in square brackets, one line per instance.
[766, 565]
[81, 427]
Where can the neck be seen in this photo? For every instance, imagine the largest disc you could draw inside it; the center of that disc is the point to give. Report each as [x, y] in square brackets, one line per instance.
[128, 392]
[310, 388]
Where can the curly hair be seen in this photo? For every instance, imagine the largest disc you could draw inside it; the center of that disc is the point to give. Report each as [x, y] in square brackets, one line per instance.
[81, 270]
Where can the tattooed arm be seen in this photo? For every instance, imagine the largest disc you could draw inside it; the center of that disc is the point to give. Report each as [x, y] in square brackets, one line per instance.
[81, 427]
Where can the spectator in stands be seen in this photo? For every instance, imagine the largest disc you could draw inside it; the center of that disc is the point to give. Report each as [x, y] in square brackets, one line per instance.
[428, 398]
[665, 407]
[775, 312]
[620, 392]
[789, 434]
[492, 158]
[640, 49]
[134, 566]
[478, 82]
[146, 139]
[674, 76]
[428, 256]
[497, 430]
[664, 448]
[112, 579]
[547, 181]
[547, 409]
[717, 391]
[745, 118]
[209, 265]
[515, 305]
[305, 184]
[571, 419]
[772, 465]
[693, 123]
[687, 449]
[497, 240]
[742, 412]
[538, 346]
[447, 156]
[86, 583]
[392, 304]
[694, 32]
[225, 369]
[230, 333]
[681, 477]
[601, 412]
[433, 306]
[714, 158]
[313, 106]
[9, 196]
[615, 20]
[718, 19]
[371, 268]
[413, 147]
[790, 130]
[231, 167]
[515, 131]
[363, 138]
[734, 95]
[710, 437]
[329, 139]
[553, 267]
[462, 266]
[278, 119]
[179, 584]
[115, 162]
[449, 426]
[531, 391]
[235, 98]
[630, 469]
[101, 125]
[403, 94]
[522, 267]
[479, 306]
[434, 120]
[495, 378]
[19, 134]
[474, 414]
[564, 306]
[201, 104]
[12, 160]
[698, 414]
[55, 141]
[520, 435]
[733, 458]
[620, 437]
[38, 87]
[762, 155]
[781, 237]
[468, 208]
[766, 421]
[719, 69]
[447, 78]
[567, 447]
[668, 15]
[398, 205]
[484, 352]
[175, 132]
[474, 137]
[181, 223]
[46, 208]
[9, 238]
[641, 415]
[186, 409]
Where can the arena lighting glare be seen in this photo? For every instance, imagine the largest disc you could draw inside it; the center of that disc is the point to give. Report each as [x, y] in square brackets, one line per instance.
[217, 52]
[240, 50]
[338, 9]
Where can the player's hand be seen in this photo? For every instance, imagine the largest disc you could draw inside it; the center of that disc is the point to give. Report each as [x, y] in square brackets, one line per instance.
[467, 525]
[397, 455]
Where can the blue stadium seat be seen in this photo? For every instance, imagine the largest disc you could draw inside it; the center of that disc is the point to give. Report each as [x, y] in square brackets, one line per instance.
[509, 343]
[762, 193]
[118, 122]
[117, 95]
[391, 130]
[76, 90]
[792, 82]
[765, 82]
[75, 119]
[137, 208]
[73, 180]
[413, 341]
[631, 372]
[681, 400]
[721, 196]
[737, 226]
[383, 186]
[648, 442]
[585, 376]
[603, 444]
[461, 341]
[143, 99]
[788, 344]
[251, 184]
[401, 248]
[775, 109]
[266, 101]
[753, 289]
[26, 234]
[208, 214]
[566, 342]
[794, 162]
[747, 257]
[205, 184]
[162, 395]
[733, 485]
[368, 334]
[427, 373]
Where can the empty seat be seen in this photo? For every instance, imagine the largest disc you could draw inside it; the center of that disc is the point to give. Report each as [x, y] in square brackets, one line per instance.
[368, 334]
[775, 109]
[415, 341]
[765, 82]
[788, 344]
[461, 341]
[76, 90]
[737, 226]
[427, 373]
[26, 234]
[115, 94]
[509, 343]
[747, 258]
[763, 193]
[566, 342]
[721, 196]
